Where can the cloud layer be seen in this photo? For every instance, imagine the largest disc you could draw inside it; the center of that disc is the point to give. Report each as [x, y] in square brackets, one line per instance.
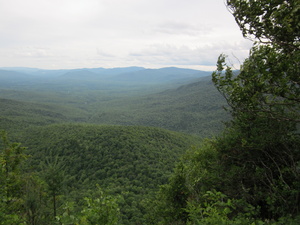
[113, 33]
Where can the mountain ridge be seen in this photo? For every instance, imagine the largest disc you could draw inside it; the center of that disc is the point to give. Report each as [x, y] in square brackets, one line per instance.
[127, 80]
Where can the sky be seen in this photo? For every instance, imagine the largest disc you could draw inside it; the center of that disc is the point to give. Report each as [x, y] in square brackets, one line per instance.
[68, 34]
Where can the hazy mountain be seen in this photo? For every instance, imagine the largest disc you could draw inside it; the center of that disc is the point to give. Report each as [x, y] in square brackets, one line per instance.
[36, 72]
[82, 74]
[170, 74]
[128, 80]
[8, 78]
[128, 74]
[114, 71]
[59, 72]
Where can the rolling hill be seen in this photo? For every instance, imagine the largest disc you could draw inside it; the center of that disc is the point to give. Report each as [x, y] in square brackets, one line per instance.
[128, 160]
[194, 108]
[121, 128]
[15, 116]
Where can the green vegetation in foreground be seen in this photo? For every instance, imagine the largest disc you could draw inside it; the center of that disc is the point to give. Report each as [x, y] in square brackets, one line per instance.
[129, 161]
[250, 173]
[31, 198]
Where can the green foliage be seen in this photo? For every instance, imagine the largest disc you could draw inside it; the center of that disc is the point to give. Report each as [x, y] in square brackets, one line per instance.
[251, 183]
[126, 160]
[263, 139]
[247, 175]
[217, 208]
[171, 200]
[34, 206]
[196, 172]
[250, 173]
[269, 21]
[54, 177]
[99, 209]
[195, 108]
[267, 86]
[178, 108]
[262, 170]
[16, 116]
[11, 157]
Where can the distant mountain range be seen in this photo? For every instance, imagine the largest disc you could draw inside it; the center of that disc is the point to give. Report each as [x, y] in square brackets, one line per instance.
[137, 75]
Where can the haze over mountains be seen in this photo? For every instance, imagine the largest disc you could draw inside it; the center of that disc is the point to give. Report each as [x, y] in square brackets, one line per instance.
[133, 75]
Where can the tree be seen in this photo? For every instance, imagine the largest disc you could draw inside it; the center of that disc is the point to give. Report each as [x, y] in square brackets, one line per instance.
[268, 83]
[262, 142]
[54, 176]
[11, 201]
[271, 22]
[100, 208]
[253, 166]
[34, 207]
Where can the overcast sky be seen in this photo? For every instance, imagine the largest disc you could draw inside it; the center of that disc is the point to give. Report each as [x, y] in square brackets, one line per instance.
[65, 34]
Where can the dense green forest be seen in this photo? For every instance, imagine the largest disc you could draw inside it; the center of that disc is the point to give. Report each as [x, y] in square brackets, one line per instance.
[139, 146]
[130, 161]
[99, 143]
[194, 108]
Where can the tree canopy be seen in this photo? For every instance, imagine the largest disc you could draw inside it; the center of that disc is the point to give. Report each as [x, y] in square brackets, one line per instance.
[273, 22]
[250, 173]
[268, 83]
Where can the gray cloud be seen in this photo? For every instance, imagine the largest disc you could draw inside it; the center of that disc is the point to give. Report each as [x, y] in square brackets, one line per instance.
[204, 55]
[181, 28]
[112, 33]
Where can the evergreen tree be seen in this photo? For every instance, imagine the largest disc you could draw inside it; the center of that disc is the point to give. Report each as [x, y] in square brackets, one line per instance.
[54, 176]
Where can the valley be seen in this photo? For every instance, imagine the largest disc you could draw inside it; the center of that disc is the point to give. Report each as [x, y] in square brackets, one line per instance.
[122, 129]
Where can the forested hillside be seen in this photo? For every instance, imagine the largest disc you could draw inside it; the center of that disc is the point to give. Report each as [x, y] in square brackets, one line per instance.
[72, 159]
[194, 108]
[69, 150]
[15, 115]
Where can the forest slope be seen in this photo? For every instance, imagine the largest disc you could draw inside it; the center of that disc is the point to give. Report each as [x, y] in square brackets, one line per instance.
[128, 160]
[194, 108]
[15, 115]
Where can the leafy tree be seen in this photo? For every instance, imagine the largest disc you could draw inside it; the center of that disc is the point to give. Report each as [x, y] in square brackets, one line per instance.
[100, 208]
[254, 165]
[268, 84]
[11, 201]
[217, 208]
[271, 22]
[262, 142]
